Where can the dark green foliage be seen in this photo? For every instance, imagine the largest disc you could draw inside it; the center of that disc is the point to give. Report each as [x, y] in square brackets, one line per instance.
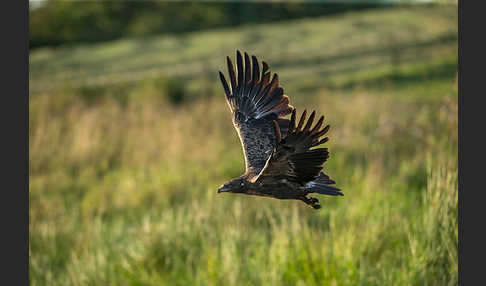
[66, 22]
[175, 90]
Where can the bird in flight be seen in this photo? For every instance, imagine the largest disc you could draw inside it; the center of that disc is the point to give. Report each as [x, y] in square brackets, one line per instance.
[278, 156]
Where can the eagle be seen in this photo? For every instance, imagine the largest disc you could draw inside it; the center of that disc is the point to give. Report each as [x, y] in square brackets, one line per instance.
[280, 159]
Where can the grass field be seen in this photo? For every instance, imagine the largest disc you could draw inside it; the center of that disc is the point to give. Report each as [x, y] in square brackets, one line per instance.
[129, 141]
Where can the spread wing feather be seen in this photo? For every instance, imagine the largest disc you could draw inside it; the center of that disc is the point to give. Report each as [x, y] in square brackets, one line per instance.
[294, 160]
[255, 103]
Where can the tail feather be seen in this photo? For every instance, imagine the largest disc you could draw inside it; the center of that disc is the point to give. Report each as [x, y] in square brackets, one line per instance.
[322, 185]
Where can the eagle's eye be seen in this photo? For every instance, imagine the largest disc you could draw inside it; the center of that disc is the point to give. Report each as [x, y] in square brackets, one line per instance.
[242, 184]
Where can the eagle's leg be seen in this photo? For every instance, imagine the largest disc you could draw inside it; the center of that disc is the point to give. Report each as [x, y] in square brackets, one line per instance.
[313, 202]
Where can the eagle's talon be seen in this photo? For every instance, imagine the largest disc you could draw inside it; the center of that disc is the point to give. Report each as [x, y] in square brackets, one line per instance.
[311, 202]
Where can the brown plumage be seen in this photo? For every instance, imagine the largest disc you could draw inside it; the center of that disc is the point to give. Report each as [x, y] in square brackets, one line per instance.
[278, 156]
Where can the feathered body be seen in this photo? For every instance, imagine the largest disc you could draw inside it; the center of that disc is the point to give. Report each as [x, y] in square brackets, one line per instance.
[278, 156]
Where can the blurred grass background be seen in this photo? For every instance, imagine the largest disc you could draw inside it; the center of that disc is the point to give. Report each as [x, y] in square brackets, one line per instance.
[130, 138]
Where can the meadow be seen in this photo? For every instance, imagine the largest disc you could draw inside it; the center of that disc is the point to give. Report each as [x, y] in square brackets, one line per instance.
[130, 139]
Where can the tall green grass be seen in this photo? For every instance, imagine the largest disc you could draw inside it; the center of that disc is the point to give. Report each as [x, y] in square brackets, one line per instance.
[123, 181]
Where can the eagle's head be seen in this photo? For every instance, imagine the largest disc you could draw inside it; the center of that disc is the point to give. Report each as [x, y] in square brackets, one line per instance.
[238, 185]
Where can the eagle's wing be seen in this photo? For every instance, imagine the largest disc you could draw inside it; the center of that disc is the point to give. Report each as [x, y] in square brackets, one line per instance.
[294, 160]
[255, 102]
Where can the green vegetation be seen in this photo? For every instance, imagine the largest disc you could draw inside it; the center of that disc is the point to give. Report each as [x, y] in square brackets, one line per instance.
[53, 23]
[129, 141]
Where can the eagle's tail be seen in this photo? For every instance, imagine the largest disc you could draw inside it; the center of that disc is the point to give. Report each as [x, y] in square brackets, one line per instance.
[322, 185]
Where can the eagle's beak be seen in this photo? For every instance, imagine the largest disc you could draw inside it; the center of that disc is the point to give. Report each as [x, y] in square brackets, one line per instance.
[222, 189]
